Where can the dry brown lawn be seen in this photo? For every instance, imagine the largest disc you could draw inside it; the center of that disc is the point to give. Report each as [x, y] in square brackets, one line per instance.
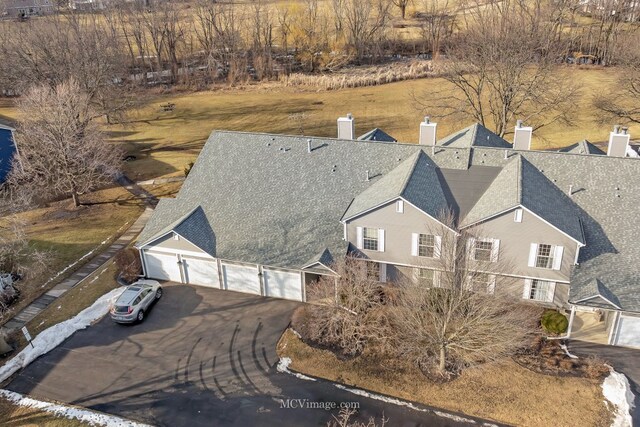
[18, 416]
[504, 392]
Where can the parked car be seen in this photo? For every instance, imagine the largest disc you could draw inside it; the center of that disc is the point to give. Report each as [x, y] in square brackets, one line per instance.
[135, 301]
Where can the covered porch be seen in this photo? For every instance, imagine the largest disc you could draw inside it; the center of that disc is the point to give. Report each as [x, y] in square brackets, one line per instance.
[591, 324]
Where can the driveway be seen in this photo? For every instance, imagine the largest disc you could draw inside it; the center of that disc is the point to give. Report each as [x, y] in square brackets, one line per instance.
[625, 360]
[202, 357]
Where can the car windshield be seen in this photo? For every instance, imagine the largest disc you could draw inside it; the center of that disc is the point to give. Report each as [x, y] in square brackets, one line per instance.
[121, 309]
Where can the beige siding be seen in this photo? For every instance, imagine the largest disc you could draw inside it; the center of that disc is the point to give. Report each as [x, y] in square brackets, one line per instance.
[169, 242]
[398, 230]
[516, 239]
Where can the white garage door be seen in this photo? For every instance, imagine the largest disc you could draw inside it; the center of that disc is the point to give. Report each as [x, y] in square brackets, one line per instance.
[629, 331]
[162, 266]
[241, 278]
[282, 284]
[201, 271]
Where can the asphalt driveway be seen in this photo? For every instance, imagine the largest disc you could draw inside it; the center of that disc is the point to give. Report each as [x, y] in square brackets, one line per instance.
[625, 360]
[202, 357]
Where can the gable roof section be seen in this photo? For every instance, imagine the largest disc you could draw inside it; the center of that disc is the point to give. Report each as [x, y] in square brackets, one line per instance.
[475, 135]
[594, 293]
[582, 147]
[521, 184]
[377, 134]
[415, 180]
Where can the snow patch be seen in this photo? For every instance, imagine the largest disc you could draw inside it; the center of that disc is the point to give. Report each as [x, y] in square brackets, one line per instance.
[50, 338]
[566, 351]
[70, 412]
[617, 391]
[283, 366]
[392, 400]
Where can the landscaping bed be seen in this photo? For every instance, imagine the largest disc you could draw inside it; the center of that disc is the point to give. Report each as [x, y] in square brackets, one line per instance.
[505, 392]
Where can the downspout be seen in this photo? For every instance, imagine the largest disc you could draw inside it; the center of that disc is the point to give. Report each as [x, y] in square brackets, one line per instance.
[573, 315]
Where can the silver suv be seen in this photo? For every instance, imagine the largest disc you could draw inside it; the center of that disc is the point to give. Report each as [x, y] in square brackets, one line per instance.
[135, 301]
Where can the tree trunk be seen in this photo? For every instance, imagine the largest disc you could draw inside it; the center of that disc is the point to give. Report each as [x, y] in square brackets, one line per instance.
[443, 357]
[76, 199]
[403, 11]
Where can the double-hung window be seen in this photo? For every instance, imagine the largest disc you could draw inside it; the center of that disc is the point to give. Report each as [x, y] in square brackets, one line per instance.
[543, 255]
[539, 290]
[370, 239]
[426, 245]
[482, 250]
[425, 276]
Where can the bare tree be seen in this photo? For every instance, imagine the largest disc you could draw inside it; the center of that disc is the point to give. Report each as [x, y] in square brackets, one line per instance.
[623, 101]
[437, 23]
[364, 24]
[62, 150]
[348, 308]
[402, 5]
[460, 317]
[504, 66]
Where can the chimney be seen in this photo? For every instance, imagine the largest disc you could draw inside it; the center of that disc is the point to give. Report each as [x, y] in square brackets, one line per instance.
[346, 127]
[618, 142]
[428, 132]
[522, 137]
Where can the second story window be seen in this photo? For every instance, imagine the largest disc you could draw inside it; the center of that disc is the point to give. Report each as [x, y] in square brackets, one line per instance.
[543, 255]
[370, 239]
[482, 251]
[426, 245]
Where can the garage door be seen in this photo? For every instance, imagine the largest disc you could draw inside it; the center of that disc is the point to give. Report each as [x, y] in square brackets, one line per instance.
[241, 278]
[162, 266]
[629, 331]
[282, 284]
[201, 271]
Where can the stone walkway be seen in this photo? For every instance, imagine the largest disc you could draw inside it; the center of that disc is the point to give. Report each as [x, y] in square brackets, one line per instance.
[39, 304]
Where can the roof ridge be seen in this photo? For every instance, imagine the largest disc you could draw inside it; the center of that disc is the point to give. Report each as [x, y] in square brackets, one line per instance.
[418, 154]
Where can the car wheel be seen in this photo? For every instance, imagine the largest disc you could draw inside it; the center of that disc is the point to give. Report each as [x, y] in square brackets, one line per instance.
[140, 315]
[159, 293]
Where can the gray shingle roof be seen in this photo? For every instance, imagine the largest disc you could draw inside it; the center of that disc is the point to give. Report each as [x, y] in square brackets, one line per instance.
[269, 201]
[377, 134]
[582, 147]
[415, 180]
[475, 135]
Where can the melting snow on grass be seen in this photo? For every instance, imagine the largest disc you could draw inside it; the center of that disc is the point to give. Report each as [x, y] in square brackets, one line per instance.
[50, 338]
[84, 415]
[283, 366]
[617, 391]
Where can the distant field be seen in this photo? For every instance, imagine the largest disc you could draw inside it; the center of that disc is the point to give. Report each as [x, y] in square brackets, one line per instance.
[165, 142]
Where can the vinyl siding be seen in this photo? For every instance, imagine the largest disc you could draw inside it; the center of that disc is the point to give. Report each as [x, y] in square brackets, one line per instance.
[168, 242]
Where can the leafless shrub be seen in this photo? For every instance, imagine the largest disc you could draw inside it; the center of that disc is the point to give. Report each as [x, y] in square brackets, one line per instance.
[596, 368]
[344, 419]
[129, 265]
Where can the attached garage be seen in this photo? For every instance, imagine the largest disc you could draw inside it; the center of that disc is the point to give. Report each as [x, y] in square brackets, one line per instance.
[162, 266]
[201, 271]
[241, 278]
[282, 284]
[628, 334]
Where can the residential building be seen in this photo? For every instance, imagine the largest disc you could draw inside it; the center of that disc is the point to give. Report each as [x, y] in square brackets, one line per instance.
[26, 8]
[7, 150]
[268, 214]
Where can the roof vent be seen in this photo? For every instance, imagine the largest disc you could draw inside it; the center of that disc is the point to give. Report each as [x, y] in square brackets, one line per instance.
[618, 141]
[522, 137]
[428, 132]
[308, 145]
[367, 175]
[346, 127]
[570, 190]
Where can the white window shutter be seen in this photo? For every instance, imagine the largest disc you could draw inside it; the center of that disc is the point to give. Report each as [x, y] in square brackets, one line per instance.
[438, 246]
[359, 239]
[557, 257]
[533, 252]
[383, 272]
[495, 250]
[416, 274]
[471, 245]
[380, 240]
[491, 286]
[526, 294]
[414, 244]
[551, 291]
